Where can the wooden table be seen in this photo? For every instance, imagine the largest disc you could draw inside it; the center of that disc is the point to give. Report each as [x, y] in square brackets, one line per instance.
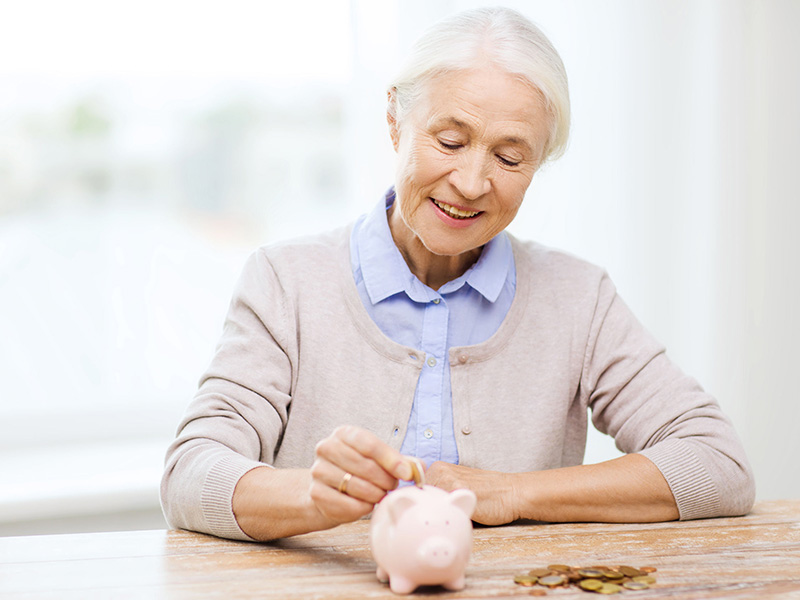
[757, 556]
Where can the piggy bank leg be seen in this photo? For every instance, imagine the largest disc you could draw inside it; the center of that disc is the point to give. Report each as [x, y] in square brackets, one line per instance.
[401, 585]
[382, 575]
[455, 584]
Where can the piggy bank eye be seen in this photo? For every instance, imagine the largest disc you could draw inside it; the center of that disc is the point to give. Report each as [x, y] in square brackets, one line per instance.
[447, 522]
[427, 523]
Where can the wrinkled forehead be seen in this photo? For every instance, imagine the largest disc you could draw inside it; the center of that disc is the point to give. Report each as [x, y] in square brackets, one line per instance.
[484, 100]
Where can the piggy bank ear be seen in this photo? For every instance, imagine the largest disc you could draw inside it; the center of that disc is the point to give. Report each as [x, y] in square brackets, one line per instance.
[465, 500]
[397, 505]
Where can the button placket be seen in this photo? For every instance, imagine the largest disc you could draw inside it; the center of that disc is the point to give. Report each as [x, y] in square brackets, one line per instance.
[429, 410]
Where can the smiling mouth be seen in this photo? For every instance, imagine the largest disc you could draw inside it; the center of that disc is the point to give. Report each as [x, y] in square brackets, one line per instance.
[456, 213]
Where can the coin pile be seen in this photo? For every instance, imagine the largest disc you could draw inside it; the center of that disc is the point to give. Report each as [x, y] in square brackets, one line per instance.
[599, 579]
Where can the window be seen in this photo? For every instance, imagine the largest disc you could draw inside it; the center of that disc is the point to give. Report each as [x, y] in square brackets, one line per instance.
[145, 151]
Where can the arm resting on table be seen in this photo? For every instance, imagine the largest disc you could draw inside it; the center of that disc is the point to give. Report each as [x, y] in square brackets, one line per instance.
[623, 490]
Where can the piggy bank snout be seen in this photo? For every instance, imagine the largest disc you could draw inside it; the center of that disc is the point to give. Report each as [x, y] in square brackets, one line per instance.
[437, 551]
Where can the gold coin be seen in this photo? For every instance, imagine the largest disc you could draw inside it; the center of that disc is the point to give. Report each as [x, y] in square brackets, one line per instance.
[609, 588]
[525, 579]
[551, 580]
[648, 579]
[562, 568]
[417, 472]
[539, 572]
[537, 592]
[648, 569]
[629, 571]
[590, 573]
[612, 575]
[591, 585]
[635, 585]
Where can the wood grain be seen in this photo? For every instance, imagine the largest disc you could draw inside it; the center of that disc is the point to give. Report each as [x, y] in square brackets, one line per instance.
[757, 556]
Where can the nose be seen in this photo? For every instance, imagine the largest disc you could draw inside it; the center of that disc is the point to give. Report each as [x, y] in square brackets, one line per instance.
[437, 552]
[470, 175]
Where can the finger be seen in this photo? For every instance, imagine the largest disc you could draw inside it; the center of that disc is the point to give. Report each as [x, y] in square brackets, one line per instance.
[332, 476]
[358, 451]
[341, 508]
[345, 459]
[368, 444]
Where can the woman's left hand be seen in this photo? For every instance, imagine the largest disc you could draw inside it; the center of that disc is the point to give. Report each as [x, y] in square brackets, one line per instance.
[495, 491]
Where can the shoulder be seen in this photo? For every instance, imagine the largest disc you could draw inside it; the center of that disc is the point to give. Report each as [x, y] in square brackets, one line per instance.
[303, 257]
[316, 247]
[543, 264]
[295, 264]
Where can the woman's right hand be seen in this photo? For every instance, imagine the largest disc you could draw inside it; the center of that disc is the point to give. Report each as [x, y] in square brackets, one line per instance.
[352, 472]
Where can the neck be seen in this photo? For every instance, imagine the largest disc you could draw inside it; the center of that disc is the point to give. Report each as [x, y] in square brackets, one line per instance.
[434, 270]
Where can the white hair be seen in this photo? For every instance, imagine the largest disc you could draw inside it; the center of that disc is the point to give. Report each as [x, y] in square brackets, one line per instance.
[502, 37]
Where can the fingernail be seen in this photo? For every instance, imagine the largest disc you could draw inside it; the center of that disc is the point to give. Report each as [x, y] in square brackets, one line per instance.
[403, 471]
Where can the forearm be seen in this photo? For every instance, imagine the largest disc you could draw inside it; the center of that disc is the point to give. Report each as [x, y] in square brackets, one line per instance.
[275, 503]
[626, 489]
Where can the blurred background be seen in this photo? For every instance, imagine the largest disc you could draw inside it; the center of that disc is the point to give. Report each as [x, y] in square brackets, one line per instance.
[147, 148]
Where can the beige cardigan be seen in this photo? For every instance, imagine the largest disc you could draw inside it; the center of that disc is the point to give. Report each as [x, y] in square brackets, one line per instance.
[299, 356]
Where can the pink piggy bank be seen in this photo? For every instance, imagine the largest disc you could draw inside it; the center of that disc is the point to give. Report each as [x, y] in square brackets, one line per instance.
[422, 536]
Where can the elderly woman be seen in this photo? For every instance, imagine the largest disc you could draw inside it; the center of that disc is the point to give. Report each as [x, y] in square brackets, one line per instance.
[424, 329]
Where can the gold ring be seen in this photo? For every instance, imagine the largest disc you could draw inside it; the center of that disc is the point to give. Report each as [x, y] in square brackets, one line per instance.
[343, 484]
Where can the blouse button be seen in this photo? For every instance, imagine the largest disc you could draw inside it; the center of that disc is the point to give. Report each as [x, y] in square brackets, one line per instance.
[466, 430]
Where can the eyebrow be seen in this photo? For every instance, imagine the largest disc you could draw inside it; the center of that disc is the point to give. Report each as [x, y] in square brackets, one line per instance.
[458, 123]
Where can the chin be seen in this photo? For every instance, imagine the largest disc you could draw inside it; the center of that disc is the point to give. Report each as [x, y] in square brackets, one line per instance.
[439, 248]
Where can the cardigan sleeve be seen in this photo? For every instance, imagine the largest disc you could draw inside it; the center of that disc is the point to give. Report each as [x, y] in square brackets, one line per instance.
[638, 396]
[237, 417]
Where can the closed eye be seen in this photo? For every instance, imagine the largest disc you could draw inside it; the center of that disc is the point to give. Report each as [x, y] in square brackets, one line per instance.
[507, 162]
[449, 145]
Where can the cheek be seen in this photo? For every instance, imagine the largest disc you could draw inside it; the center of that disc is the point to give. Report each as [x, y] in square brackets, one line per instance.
[419, 164]
[512, 191]
[406, 168]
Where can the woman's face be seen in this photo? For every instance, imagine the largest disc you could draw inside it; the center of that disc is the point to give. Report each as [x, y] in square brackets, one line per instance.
[466, 154]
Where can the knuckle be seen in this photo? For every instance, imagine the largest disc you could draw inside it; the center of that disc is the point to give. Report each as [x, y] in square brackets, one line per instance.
[437, 468]
[325, 447]
[317, 469]
[344, 432]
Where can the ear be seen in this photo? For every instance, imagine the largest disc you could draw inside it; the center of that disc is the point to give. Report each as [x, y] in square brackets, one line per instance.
[465, 500]
[397, 504]
[391, 118]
